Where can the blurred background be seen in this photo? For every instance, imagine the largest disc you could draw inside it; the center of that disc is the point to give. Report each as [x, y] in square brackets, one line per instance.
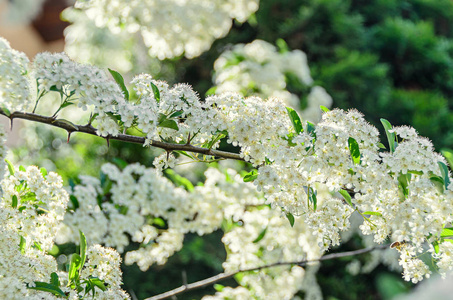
[388, 59]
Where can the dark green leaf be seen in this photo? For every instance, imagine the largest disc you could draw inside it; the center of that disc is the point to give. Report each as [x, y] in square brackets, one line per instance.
[120, 162]
[311, 128]
[98, 282]
[290, 218]
[120, 81]
[176, 114]
[169, 124]
[66, 104]
[295, 119]
[156, 92]
[391, 137]
[444, 170]
[54, 279]
[354, 150]
[47, 287]
[5, 110]
[438, 182]
[346, 196]
[252, 175]
[260, 236]
[14, 202]
[74, 201]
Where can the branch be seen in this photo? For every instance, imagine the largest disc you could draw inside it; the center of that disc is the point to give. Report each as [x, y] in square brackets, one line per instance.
[226, 275]
[88, 129]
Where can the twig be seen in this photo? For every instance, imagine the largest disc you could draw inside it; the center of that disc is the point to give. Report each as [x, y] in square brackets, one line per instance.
[223, 276]
[88, 129]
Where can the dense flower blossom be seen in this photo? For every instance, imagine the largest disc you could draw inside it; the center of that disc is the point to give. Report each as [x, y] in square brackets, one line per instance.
[170, 28]
[259, 69]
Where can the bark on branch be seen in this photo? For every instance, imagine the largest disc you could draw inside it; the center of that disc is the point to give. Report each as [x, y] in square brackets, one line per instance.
[88, 129]
[226, 275]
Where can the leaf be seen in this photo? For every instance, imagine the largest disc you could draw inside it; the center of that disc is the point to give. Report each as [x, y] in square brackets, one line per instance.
[448, 154]
[54, 280]
[120, 81]
[380, 145]
[291, 219]
[374, 213]
[295, 119]
[218, 287]
[438, 182]
[176, 114]
[179, 180]
[121, 163]
[436, 246]
[66, 104]
[169, 124]
[10, 167]
[311, 128]
[72, 126]
[43, 172]
[404, 183]
[346, 196]
[98, 282]
[324, 109]
[74, 266]
[22, 169]
[47, 287]
[156, 92]
[83, 249]
[415, 172]
[446, 232]
[354, 150]
[74, 201]
[22, 244]
[312, 197]
[252, 175]
[14, 201]
[391, 137]
[159, 222]
[211, 91]
[5, 110]
[260, 236]
[444, 170]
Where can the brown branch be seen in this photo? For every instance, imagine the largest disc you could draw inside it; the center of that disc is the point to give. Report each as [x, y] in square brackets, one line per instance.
[88, 129]
[226, 275]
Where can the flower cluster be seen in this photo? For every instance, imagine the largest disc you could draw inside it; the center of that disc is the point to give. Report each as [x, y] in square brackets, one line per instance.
[14, 84]
[170, 28]
[259, 69]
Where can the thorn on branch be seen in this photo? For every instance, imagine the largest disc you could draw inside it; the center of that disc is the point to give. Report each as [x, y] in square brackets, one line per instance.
[108, 141]
[69, 136]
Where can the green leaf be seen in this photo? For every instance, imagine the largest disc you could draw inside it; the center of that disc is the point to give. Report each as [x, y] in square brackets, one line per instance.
[346, 196]
[415, 172]
[391, 136]
[47, 287]
[381, 146]
[211, 91]
[260, 236]
[446, 232]
[14, 201]
[5, 110]
[403, 180]
[156, 92]
[159, 222]
[68, 123]
[372, 213]
[312, 196]
[121, 163]
[74, 267]
[436, 246]
[295, 119]
[169, 124]
[120, 81]
[98, 282]
[354, 150]
[74, 201]
[324, 109]
[438, 182]
[66, 104]
[448, 154]
[54, 279]
[444, 170]
[218, 287]
[83, 250]
[43, 172]
[10, 167]
[22, 244]
[291, 219]
[311, 128]
[176, 114]
[179, 180]
[22, 169]
[252, 175]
